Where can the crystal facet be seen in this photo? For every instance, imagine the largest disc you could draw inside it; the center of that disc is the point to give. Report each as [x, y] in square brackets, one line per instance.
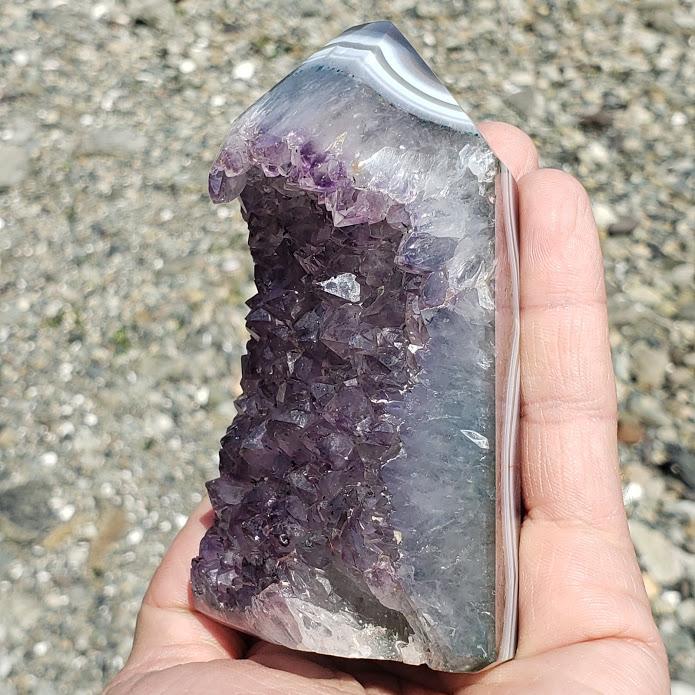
[357, 512]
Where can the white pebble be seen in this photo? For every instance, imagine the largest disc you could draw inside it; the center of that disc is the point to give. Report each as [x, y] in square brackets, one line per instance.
[135, 536]
[603, 215]
[596, 152]
[187, 66]
[15, 571]
[41, 648]
[671, 598]
[99, 10]
[67, 512]
[243, 70]
[55, 600]
[632, 492]
[230, 265]
[49, 459]
[66, 429]
[20, 58]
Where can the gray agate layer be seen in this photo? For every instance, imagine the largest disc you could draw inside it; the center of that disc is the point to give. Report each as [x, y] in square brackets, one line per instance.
[366, 502]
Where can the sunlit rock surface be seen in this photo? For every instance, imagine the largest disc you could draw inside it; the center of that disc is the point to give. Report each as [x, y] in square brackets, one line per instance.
[355, 508]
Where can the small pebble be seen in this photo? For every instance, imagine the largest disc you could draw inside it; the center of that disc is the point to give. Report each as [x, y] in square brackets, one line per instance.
[630, 431]
[243, 70]
[663, 561]
[623, 225]
[187, 66]
[14, 165]
[685, 612]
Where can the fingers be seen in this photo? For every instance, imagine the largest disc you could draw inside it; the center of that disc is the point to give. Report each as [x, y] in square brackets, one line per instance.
[167, 624]
[512, 146]
[567, 388]
[169, 585]
[579, 578]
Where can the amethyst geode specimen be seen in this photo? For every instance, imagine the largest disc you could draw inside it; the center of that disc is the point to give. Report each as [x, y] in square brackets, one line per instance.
[357, 511]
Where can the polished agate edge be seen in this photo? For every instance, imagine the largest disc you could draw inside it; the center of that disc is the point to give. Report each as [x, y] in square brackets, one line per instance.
[507, 338]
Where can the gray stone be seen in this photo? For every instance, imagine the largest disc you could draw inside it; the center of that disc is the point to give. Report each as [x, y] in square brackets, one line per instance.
[117, 142]
[685, 613]
[682, 463]
[524, 100]
[684, 509]
[662, 560]
[680, 644]
[14, 165]
[649, 410]
[24, 511]
[649, 365]
[155, 13]
[683, 275]
[623, 225]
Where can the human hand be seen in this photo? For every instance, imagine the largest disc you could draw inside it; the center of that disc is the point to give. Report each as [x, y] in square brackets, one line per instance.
[585, 624]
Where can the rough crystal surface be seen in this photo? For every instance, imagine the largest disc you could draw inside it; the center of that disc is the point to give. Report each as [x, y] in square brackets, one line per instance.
[355, 508]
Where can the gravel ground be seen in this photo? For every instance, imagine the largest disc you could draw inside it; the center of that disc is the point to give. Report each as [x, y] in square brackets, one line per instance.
[122, 287]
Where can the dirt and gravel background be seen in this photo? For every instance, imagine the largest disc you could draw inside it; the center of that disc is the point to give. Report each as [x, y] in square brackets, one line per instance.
[122, 287]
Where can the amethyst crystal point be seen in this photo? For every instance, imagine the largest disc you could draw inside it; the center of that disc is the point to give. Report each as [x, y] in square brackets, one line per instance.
[365, 504]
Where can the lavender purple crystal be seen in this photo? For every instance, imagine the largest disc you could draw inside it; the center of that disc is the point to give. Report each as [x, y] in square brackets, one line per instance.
[355, 512]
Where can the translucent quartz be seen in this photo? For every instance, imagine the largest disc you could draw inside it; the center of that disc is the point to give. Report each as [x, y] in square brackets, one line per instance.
[366, 499]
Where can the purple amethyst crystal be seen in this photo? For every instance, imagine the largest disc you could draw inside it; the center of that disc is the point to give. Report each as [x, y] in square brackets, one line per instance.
[357, 508]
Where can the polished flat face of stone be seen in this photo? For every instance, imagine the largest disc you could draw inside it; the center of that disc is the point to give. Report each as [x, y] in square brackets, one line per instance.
[355, 511]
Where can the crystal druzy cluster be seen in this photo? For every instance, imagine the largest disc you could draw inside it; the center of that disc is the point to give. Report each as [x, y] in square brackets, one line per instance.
[355, 510]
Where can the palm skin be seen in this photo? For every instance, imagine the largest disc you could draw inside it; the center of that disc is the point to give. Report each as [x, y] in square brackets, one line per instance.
[585, 624]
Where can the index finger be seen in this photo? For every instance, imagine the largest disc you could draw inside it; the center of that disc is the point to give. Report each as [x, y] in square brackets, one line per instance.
[579, 578]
